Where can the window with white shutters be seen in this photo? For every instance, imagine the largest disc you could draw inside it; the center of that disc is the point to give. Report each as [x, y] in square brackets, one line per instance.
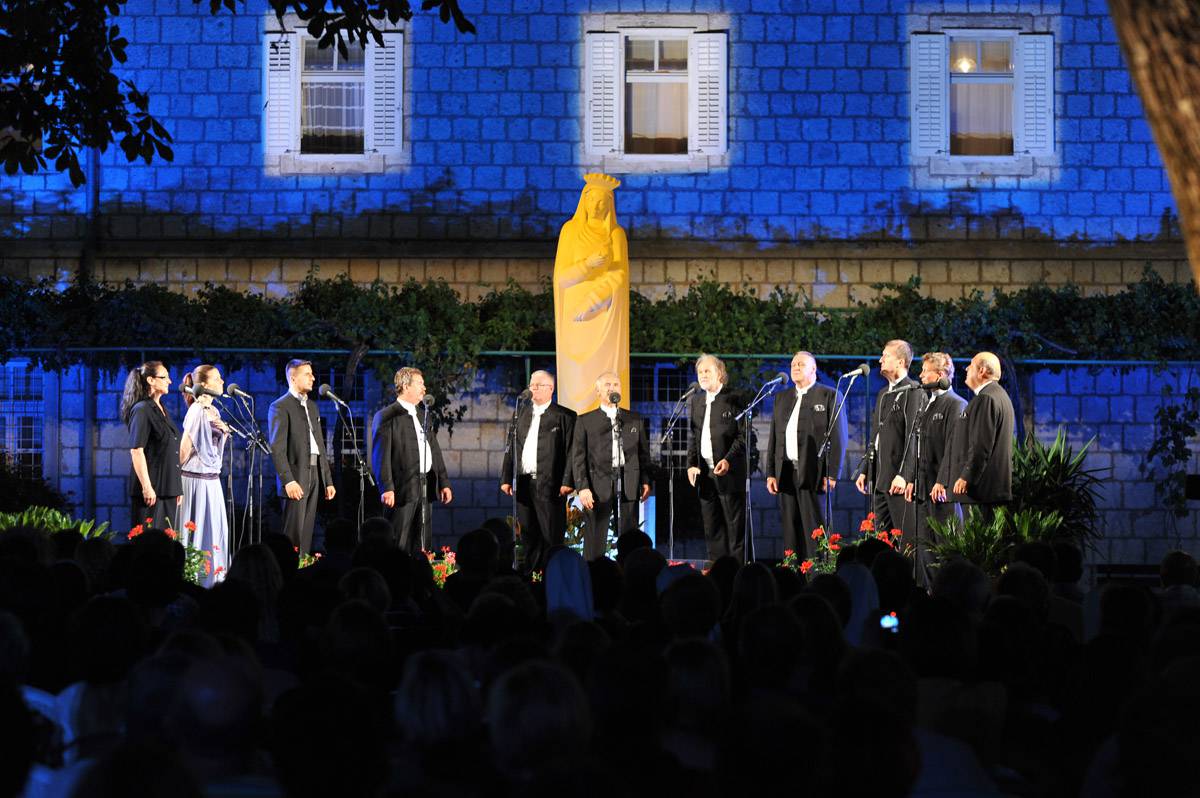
[981, 100]
[656, 99]
[325, 112]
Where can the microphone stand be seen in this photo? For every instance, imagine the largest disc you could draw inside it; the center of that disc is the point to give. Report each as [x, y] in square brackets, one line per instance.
[676, 415]
[618, 476]
[918, 425]
[258, 446]
[513, 456]
[235, 428]
[426, 532]
[826, 442]
[360, 465]
[747, 417]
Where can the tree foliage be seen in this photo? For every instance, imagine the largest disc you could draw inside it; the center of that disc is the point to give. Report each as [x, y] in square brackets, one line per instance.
[61, 94]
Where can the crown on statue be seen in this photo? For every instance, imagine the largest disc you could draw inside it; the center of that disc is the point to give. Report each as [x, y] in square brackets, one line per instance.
[601, 180]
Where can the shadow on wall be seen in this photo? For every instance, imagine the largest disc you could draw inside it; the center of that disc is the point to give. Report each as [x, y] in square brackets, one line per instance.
[441, 212]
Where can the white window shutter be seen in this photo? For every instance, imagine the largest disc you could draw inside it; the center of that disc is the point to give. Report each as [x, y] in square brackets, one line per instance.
[603, 83]
[707, 92]
[281, 91]
[385, 93]
[929, 106]
[1033, 114]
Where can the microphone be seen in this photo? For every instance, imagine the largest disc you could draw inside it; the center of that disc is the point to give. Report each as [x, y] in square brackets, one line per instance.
[427, 400]
[695, 386]
[780, 379]
[614, 398]
[199, 390]
[233, 391]
[861, 371]
[525, 395]
[326, 392]
[941, 384]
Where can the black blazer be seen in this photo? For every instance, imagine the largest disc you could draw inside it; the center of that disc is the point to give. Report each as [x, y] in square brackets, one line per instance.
[981, 449]
[728, 440]
[556, 433]
[937, 425]
[289, 442]
[811, 423]
[894, 414]
[153, 431]
[395, 459]
[592, 454]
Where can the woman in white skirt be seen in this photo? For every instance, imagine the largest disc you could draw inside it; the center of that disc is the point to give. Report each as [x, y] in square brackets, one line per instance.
[200, 453]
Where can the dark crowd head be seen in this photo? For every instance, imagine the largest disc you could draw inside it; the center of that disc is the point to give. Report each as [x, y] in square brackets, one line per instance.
[631, 541]
[1178, 568]
[537, 716]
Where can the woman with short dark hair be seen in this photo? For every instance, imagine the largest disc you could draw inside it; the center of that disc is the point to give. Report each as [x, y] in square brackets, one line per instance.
[156, 487]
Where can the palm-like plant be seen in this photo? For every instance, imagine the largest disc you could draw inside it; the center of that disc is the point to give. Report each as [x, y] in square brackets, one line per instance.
[989, 542]
[1054, 478]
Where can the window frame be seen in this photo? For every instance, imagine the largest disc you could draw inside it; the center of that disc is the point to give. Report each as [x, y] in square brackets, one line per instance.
[941, 164]
[375, 159]
[659, 26]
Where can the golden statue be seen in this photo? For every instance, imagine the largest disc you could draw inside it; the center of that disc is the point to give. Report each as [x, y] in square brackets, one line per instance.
[591, 297]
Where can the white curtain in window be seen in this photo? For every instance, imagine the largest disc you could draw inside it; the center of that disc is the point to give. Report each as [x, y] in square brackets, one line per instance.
[981, 119]
[332, 117]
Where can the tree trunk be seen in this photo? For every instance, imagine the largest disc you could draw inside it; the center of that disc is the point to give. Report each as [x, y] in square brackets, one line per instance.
[1161, 43]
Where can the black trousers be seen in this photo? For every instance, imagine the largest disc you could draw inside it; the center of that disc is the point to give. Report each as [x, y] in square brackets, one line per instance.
[800, 511]
[923, 559]
[165, 509]
[543, 522]
[596, 522]
[724, 519]
[300, 515]
[408, 531]
[893, 512]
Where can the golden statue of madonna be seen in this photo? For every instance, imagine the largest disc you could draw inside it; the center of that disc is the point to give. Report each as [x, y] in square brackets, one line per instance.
[591, 297]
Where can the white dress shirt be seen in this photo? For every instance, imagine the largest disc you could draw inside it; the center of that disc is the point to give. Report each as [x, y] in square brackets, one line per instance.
[706, 450]
[792, 431]
[312, 437]
[426, 455]
[529, 449]
[618, 456]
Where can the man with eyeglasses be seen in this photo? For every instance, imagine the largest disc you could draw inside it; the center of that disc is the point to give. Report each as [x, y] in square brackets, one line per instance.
[545, 430]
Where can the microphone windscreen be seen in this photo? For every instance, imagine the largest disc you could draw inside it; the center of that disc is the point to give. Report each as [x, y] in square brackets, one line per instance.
[231, 390]
[943, 384]
[614, 398]
[525, 394]
[324, 389]
[864, 370]
[782, 377]
[427, 400]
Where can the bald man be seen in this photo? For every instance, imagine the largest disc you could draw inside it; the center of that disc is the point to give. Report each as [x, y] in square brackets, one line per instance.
[598, 455]
[545, 431]
[978, 468]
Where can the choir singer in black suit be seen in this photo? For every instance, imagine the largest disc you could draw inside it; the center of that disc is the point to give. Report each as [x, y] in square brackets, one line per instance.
[598, 456]
[895, 408]
[978, 468]
[545, 431]
[935, 421]
[407, 463]
[794, 472]
[298, 452]
[716, 461]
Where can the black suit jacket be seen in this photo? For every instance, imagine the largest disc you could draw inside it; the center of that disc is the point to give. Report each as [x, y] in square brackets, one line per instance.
[937, 424]
[811, 423]
[592, 454]
[289, 442]
[981, 449]
[395, 459]
[894, 414]
[556, 433]
[728, 440]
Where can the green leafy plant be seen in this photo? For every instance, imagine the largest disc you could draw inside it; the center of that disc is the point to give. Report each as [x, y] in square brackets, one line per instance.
[988, 542]
[1055, 478]
[1176, 423]
[51, 520]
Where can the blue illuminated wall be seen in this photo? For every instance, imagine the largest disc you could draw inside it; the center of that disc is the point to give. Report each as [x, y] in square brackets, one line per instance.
[818, 136]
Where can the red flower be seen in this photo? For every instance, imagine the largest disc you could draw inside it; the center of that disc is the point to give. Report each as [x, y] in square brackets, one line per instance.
[133, 533]
[216, 547]
[818, 533]
[296, 549]
[871, 516]
[219, 570]
[149, 522]
[190, 526]
[207, 568]
[806, 566]
[834, 547]
[897, 533]
[171, 533]
[788, 552]
[835, 537]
